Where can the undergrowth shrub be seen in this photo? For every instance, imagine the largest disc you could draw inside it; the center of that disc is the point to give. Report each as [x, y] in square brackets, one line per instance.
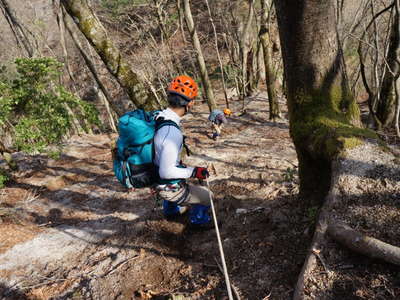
[118, 6]
[3, 178]
[36, 108]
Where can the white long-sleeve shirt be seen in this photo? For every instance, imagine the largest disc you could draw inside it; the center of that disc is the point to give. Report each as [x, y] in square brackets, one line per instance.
[168, 143]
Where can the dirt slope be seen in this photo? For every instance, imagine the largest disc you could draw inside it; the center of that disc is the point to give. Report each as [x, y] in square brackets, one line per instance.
[86, 235]
[71, 231]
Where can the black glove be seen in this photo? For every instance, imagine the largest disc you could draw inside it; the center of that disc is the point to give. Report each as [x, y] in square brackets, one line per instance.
[200, 173]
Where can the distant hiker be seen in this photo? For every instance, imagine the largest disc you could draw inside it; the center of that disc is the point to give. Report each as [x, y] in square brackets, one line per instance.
[177, 195]
[218, 119]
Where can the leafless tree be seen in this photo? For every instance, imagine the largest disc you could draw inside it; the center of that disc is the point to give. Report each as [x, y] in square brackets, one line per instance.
[379, 66]
[245, 43]
[199, 55]
[95, 32]
[20, 32]
[274, 111]
[221, 66]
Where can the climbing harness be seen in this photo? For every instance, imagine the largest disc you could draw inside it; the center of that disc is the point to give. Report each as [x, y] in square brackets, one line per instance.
[221, 250]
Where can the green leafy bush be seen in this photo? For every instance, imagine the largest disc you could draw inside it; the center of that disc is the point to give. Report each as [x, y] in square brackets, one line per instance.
[54, 154]
[37, 107]
[289, 174]
[3, 178]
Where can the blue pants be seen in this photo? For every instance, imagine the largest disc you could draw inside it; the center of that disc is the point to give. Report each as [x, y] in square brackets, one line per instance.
[197, 202]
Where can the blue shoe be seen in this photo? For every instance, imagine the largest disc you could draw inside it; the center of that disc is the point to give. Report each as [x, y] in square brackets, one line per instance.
[199, 217]
[215, 136]
[172, 209]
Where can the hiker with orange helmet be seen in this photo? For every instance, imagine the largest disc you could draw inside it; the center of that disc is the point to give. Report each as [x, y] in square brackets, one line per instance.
[177, 195]
[218, 119]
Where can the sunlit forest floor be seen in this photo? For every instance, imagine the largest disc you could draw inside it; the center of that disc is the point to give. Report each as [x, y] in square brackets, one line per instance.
[70, 231]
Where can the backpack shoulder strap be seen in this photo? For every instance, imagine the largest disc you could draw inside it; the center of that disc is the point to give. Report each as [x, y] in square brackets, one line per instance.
[161, 122]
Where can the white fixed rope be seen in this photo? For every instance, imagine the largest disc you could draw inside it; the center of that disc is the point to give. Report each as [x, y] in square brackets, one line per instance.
[221, 250]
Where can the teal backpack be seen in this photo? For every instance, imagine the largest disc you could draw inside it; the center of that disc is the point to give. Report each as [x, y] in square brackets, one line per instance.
[133, 157]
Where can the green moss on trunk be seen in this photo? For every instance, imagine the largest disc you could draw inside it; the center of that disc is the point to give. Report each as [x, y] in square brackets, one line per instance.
[96, 34]
[324, 117]
[321, 125]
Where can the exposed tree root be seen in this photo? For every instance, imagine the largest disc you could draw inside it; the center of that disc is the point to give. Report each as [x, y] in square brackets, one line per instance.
[348, 237]
[317, 244]
[319, 239]
[328, 224]
[364, 244]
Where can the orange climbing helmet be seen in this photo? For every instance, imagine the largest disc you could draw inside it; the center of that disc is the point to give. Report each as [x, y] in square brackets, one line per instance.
[227, 112]
[184, 86]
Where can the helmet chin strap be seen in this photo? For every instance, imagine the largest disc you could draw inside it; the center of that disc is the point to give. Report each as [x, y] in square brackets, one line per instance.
[187, 110]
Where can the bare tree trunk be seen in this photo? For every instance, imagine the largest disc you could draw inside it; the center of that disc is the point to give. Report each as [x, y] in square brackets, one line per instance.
[199, 55]
[230, 48]
[386, 109]
[252, 70]
[16, 27]
[232, 40]
[60, 23]
[374, 84]
[357, 20]
[70, 27]
[153, 90]
[231, 36]
[259, 62]
[180, 21]
[94, 31]
[245, 48]
[274, 110]
[161, 22]
[165, 41]
[102, 92]
[218, 55]
[397, 118]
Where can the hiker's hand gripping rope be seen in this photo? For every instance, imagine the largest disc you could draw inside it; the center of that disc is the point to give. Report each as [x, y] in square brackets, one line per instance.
[200, 173]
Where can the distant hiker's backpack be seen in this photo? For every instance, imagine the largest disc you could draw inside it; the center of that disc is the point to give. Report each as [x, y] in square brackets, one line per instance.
[213, 115]
[133, 157]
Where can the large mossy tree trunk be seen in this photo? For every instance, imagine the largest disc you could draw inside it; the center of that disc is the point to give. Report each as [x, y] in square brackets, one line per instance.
[323, 125]
[199, 55]
[96, 34]
[322, 111]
